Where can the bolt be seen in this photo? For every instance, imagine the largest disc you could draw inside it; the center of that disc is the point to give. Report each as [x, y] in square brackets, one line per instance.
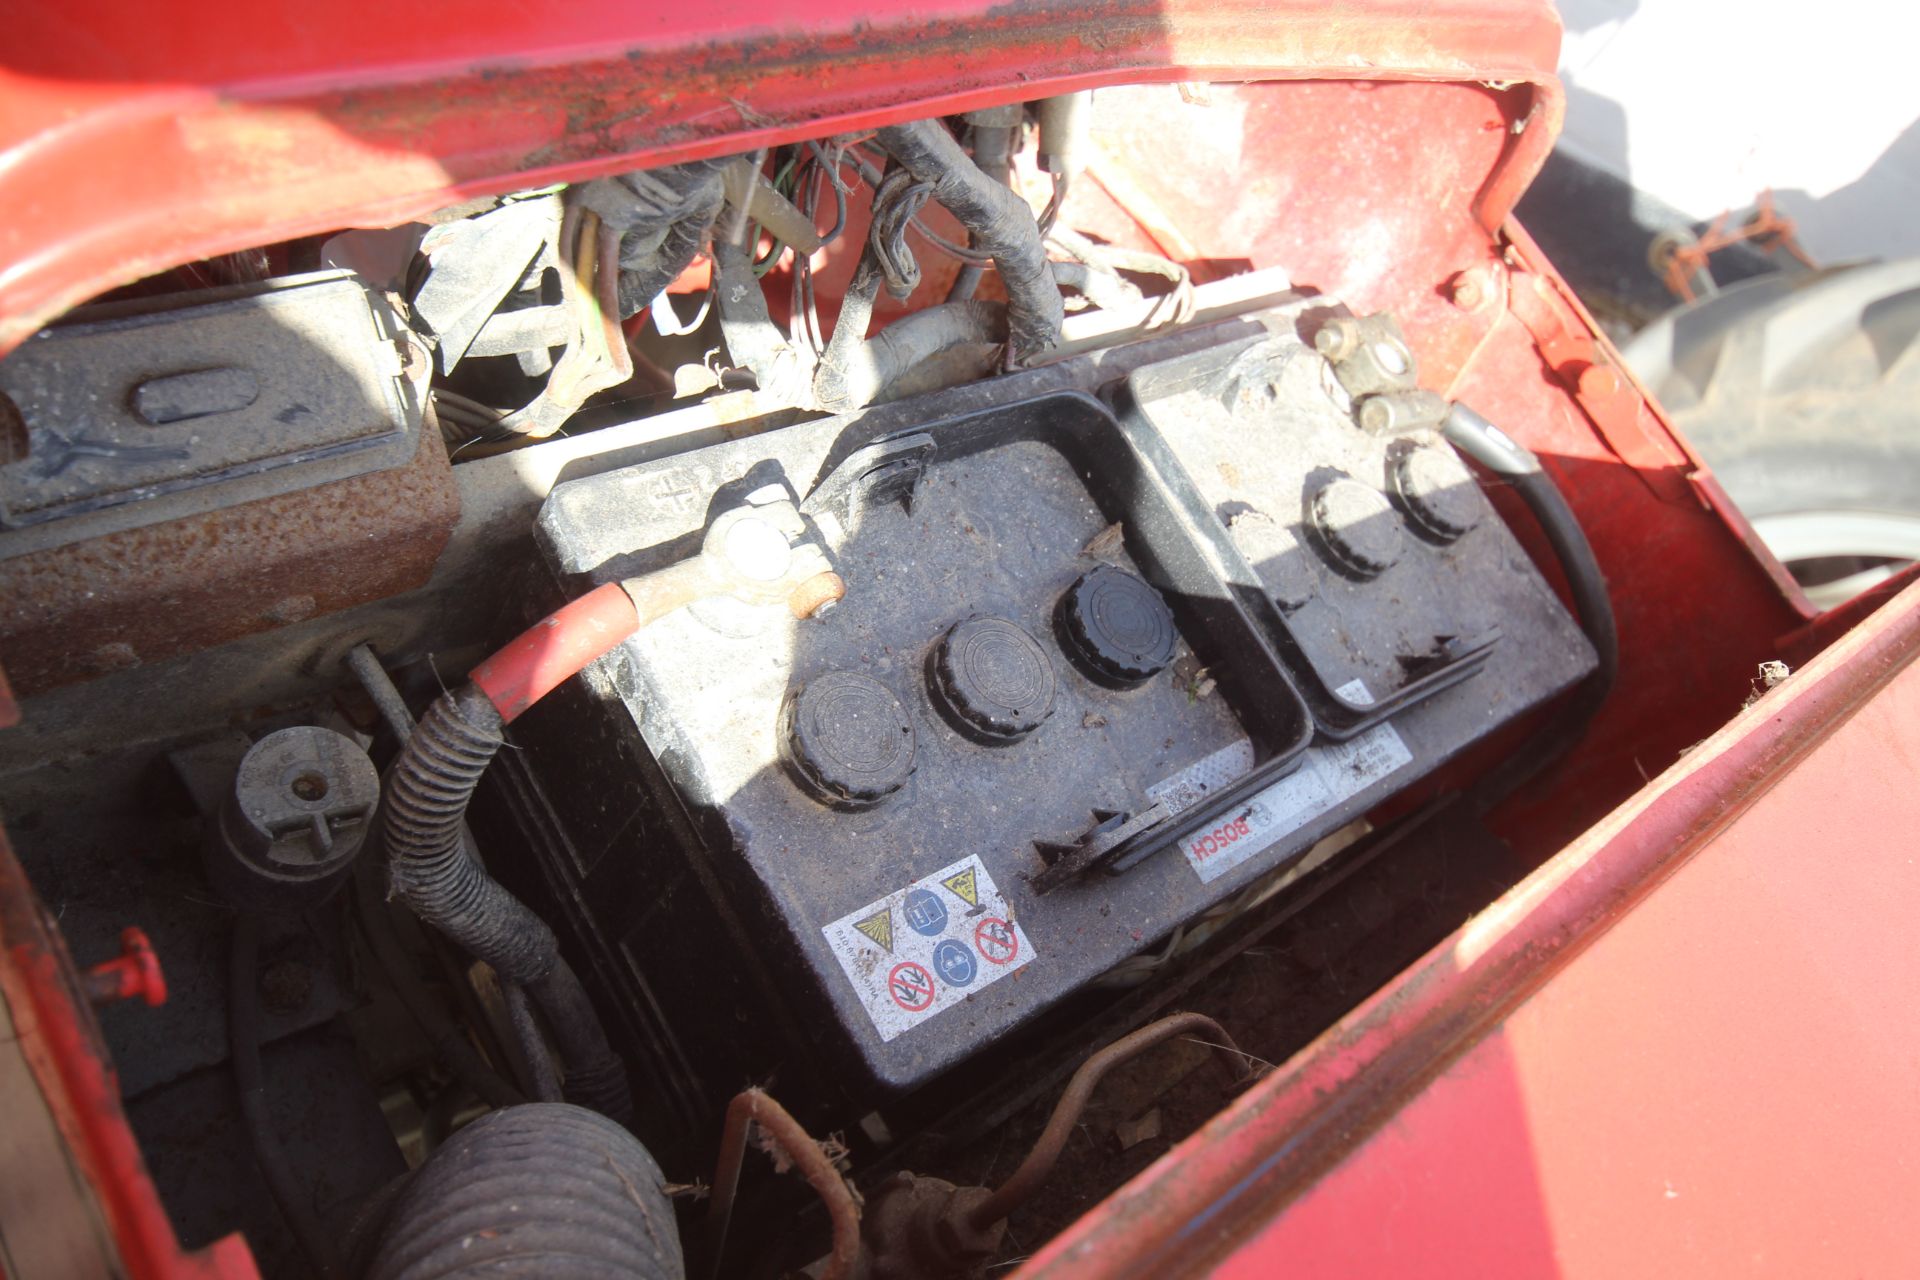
[1599, 381]
[1398, 412]
[1337, 338]
[1466, 291]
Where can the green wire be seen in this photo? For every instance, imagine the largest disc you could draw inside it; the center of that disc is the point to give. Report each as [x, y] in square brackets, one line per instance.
[761, 266]
[782, 175]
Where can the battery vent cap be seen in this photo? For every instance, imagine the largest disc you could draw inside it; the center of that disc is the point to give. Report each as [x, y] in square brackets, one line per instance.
[1116, 628]
[991, 680]
[847, 739]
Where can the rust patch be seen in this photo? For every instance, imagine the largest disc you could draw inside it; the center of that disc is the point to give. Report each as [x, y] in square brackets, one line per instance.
[140, 596]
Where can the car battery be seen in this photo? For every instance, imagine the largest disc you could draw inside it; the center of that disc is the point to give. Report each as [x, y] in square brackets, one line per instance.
[1103, 661]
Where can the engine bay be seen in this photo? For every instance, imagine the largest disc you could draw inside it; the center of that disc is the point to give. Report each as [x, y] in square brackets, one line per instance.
[826, 651]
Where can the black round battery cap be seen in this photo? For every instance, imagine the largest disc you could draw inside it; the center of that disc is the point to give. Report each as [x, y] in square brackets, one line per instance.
[847, 738]
[1355, 528]
[1115, 627]
[991, 680]
[1436, 491]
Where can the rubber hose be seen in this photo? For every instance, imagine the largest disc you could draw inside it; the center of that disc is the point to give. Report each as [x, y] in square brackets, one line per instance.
[427, 797]
[1000, 221]
[684, 239]
[1549, 744]
[445, 1037]
[849, 331]
[540, 1190]
[595, 1076]
[1104, 289]
[539, 659]
[967, 283]
[1585, 583]
[912, 340]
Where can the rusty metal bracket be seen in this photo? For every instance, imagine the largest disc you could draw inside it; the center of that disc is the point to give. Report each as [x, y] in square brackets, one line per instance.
[1682, 258]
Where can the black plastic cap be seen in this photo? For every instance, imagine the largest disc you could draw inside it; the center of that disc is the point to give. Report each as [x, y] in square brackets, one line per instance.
[847, 739]
[1354, 527]
[991, 680]
[297, 813]
[1440, 498]
[1116, 628]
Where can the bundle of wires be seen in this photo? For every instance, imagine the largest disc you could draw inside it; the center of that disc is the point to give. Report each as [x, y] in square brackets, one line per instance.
[805, 175]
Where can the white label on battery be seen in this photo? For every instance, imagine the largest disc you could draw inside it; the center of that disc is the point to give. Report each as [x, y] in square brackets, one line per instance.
[1329, 775]
[927, 947]
[1356, 692]
[1203, 777]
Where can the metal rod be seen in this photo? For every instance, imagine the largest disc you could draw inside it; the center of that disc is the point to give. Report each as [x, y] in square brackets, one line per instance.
[365, 665]
[1038, 1165]
[752, 1107]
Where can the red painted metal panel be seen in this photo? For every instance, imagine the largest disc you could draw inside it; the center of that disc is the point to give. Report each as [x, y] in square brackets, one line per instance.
[55, 1032]
[134, 137]
[1684, 1046]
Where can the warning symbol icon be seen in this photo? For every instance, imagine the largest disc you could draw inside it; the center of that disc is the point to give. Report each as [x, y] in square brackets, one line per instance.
[996, 940]
[925, 912]
[911, 987]
[965, 885]
[879, 927]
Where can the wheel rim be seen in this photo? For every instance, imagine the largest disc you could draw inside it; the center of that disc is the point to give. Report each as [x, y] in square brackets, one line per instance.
[1809, 542]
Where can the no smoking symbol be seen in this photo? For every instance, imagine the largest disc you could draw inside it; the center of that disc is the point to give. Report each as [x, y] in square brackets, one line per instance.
[910, 986]
[996, 940]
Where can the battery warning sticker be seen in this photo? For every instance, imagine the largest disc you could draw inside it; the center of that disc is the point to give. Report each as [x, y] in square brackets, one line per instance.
[928, 946]
[1329, 775]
